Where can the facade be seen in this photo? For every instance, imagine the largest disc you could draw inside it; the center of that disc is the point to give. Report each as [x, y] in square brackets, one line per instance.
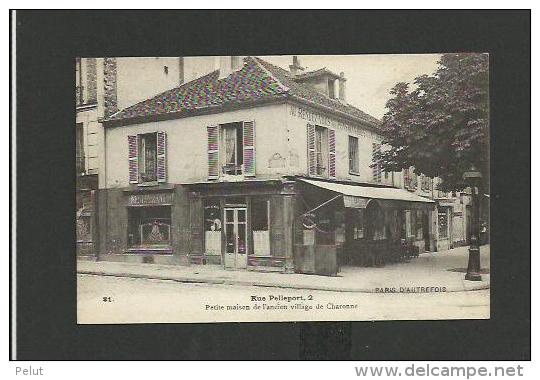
[252, 166]
[451, 218]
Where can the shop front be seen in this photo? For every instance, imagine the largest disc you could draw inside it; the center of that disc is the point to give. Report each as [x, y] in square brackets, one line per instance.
[241, 225]
[360, 225]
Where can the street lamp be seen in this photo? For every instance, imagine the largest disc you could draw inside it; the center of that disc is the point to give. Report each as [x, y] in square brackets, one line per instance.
[472, 178]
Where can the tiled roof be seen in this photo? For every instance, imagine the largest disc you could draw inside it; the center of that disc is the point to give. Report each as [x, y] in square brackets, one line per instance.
[306, 92]
[257, 80]
[314, 73]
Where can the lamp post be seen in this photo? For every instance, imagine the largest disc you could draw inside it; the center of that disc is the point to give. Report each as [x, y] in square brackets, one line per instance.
[472, 178]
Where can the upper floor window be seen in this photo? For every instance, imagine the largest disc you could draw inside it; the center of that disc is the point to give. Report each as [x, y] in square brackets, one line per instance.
[410, 179]
[231, 149]
[147, 158]
[426, 183]
[79, 148]
[376, 163]
[79, 99]
[321, 151]
[331, 89]
[353, 155]
[85, 81]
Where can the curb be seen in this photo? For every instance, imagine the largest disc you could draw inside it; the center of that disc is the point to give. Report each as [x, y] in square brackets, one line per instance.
[191, 280]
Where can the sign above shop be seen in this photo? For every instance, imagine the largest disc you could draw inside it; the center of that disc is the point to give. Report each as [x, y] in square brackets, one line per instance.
[150, 199]
[355, 202]
[326, 121]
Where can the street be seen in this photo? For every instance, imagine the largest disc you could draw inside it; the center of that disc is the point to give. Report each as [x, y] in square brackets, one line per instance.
[108, 299]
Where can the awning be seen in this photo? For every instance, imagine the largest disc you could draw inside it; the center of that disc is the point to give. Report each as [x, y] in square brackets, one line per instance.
[356, 196]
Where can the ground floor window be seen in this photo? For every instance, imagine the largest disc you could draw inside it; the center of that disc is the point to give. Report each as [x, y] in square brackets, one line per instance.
[149, 226]
[419, 227]
[443, 223]
[212, 226]
[260, 225]
[376, 223]
[408, 224]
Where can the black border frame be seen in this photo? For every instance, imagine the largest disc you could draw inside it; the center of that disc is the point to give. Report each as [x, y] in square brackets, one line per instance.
[48, 41]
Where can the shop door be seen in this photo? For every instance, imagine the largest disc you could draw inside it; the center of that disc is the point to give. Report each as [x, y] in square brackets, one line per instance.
[235, 238]
[425, 229]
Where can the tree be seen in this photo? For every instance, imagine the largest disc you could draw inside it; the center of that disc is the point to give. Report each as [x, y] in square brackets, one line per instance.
[441, 126]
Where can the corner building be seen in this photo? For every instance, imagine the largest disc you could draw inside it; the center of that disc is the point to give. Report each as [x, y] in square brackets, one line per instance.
[253, 168]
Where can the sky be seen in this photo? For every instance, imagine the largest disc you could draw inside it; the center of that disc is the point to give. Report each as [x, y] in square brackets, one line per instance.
[369, 77]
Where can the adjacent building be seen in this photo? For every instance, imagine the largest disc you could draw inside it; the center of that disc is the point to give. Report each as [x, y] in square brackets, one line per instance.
[102, 87]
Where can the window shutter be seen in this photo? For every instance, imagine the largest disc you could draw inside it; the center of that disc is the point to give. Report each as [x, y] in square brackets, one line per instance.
[332, 153]
[162, 157]
[133, 154]
[213, 151]
[311, 149]
[249, 148]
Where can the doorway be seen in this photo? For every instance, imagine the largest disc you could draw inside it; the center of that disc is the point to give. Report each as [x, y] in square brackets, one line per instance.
[235, 237]
[425, 229]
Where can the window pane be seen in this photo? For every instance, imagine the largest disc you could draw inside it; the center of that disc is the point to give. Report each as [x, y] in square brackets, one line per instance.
[229, 236]
[320, 150]
[443, 224]
[212, 215]
[242, 239]
[353, 154]
[259, 215]
[148, 157]
[241, 216]
[149, 226]
[230, 145]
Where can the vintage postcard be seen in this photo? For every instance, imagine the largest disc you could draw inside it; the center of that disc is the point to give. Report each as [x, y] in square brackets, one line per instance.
[282, 188]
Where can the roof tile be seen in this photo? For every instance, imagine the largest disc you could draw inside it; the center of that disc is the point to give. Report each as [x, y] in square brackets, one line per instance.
[256, 80]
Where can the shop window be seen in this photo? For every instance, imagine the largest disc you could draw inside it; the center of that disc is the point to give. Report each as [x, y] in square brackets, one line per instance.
[443, 223]
[212, 226]
[353, 155]
[419, 226]
[149, 226]
[148, 157]
[260, 216]
[408, 223]
[233, 152]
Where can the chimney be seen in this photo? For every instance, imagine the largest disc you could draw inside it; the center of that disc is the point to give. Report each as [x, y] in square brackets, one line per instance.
[225, 66]
[181, 77]
[342, 81]
[228, 64]
[236, 62]
[295, 67]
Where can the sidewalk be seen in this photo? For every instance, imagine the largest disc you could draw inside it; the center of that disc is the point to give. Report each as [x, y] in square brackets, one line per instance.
[428, 270]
